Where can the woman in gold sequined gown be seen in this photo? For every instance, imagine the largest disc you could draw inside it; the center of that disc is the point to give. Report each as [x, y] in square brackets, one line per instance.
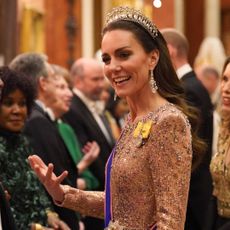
[220, 164]
[148, 172]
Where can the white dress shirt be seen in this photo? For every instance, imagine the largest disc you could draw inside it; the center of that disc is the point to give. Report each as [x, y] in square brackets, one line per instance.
[49, 111]
[97, 109]
[183, 70]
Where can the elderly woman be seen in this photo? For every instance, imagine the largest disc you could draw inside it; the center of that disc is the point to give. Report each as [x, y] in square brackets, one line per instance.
[28, 200]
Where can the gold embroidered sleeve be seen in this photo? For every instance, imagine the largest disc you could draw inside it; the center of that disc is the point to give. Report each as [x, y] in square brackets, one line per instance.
[88, 203]
[170, 163]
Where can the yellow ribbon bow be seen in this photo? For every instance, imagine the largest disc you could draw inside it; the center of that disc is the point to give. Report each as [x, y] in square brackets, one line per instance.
[142, 129]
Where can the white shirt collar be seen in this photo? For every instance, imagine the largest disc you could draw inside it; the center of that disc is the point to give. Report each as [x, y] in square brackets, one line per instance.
[47, 110]
[183, 70]
[94, 106]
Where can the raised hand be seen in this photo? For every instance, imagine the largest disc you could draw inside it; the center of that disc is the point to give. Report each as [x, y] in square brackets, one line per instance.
[48, 178]
[91, 151]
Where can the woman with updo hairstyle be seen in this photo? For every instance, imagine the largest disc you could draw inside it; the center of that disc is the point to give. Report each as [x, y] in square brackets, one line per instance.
[148, 172]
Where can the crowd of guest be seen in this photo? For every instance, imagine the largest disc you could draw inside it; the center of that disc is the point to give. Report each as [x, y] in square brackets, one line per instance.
[73, 118]
[61, 116]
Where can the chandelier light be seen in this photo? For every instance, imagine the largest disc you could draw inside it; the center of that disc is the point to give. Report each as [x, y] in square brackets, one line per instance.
[157, 3]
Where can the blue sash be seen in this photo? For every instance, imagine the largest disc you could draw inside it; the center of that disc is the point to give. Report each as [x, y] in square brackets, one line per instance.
[108, 205]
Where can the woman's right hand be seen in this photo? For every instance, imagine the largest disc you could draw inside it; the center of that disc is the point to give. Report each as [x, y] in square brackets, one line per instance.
[48, 178]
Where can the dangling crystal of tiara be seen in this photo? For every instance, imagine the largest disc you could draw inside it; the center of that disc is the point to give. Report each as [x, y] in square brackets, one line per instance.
[129, 14]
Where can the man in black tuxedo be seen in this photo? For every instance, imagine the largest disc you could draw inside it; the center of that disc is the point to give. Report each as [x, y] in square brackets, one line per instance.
[86, 116]
[196, 95]
[41, 128]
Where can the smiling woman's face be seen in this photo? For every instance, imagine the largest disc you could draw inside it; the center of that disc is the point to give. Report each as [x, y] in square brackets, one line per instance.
[126, 64]
[13, 111]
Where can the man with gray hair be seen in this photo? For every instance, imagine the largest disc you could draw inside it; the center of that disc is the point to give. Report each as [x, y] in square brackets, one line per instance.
[196, 95]
[33, 65]
[41, 128]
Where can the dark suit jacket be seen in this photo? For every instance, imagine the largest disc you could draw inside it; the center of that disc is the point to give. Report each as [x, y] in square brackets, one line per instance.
[87, 129]
[47, 143]
[6, 215]
[201, 183]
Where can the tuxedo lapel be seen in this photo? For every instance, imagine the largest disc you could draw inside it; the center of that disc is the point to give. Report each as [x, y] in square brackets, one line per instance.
[43, 113]
[187, 76]
[107, 126]
[88, 117]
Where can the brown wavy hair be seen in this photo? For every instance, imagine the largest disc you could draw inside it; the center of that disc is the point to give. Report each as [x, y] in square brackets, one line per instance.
[169, 86]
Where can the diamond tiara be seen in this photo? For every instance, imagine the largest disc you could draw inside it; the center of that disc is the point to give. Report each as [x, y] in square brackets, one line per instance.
[129, 14]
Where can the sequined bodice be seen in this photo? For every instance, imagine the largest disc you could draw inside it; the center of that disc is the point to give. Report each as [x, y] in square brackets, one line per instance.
[220, 170]
[149, 183]
[149, 177]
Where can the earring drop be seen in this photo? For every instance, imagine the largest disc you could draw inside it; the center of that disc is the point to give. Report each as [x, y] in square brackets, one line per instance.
[152, 82]
[115, 96]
